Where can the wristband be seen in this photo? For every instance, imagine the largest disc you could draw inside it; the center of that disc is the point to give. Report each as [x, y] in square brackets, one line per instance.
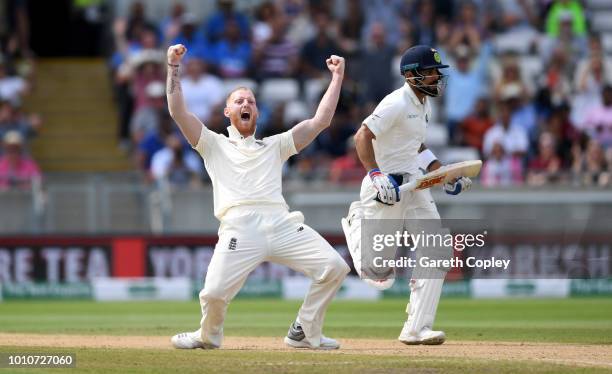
[374, 172]
[426, 158]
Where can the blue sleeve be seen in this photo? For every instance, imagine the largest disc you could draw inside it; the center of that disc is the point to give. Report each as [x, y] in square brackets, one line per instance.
[484, 58]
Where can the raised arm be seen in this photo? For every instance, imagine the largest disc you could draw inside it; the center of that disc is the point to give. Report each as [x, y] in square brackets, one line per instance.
[306, 131]
[190, 125]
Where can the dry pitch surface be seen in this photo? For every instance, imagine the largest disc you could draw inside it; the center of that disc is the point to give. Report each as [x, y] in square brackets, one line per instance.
[580, 355]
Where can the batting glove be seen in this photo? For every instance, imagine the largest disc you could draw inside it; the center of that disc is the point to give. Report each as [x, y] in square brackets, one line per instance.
[458, 186]
[387, 187]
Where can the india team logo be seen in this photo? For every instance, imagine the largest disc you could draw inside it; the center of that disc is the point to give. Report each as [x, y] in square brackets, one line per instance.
[437, 57]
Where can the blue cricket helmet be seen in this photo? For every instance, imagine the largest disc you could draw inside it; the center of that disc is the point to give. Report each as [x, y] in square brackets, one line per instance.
[420, 57]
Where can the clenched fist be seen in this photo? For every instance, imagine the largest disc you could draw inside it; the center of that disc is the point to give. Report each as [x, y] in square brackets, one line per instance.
[335, 64]
[176, 53]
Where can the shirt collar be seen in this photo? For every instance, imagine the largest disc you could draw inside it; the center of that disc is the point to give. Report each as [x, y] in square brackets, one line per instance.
[234, 134]
[412, 96]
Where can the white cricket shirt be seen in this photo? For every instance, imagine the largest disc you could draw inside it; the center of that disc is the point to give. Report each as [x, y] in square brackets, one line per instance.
[399, 123]
[244, 171]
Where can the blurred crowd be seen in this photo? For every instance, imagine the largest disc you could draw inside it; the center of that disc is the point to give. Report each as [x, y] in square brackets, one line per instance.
[17, 168]
[529, 88]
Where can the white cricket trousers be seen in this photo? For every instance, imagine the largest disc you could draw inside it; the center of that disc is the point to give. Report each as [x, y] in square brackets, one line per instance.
[425, 288]
[252, 234]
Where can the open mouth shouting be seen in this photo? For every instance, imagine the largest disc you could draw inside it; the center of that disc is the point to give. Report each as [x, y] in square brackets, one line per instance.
[245, 116]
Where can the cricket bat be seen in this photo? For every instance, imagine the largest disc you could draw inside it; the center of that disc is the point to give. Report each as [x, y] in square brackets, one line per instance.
[443, 175]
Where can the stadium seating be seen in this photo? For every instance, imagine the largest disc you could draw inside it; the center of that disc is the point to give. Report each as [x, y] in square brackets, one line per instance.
[276, 90]
[230, 84]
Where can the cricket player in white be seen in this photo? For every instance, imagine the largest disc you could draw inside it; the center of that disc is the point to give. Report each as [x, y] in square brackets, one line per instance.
[256, 225]
[391, 145]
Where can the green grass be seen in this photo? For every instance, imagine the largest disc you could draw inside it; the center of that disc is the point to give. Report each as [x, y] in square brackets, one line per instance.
[578, 320]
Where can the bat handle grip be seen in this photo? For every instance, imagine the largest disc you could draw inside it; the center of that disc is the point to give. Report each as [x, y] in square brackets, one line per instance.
[402, 188]
[408, 186]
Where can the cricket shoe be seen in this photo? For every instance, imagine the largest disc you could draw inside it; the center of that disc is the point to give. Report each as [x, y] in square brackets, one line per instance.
[425, 337]
[297, 339]
[189, 340]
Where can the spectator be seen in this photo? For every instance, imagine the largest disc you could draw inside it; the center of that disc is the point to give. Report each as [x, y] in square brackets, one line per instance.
[147, 68]
[137, 21]
[189, 36]
[501, 169]
[467, 30]
[17, 171]
[147, 119]
[350, 28]
[517, 23]
[12, 87]
[276, 123]
[216, 25]
[377, 66]
[466, 83]
[298, 20]
[201, 90]
[595, 46]
[317, 50]
[475, 126]
[510, 76]
[217, 122]
[264, 16]
[518, 16]
[563, 130]
[12, 120]
[331, 143]
[154, 140]
[522, 109]
[387, 12]
[278, 56]
[561, 9]
[129, 56]
[598, 121]
[424, 28]
[573, 46]
[232, 54]
[347, 169]
[545, 167]
[591, 74]
[170, 26]
[175, 164]
[556, 80]
[127, 47]
[591, 168]
[512, 138]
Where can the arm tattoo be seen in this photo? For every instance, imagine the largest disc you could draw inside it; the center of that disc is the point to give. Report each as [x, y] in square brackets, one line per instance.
[173, 81]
